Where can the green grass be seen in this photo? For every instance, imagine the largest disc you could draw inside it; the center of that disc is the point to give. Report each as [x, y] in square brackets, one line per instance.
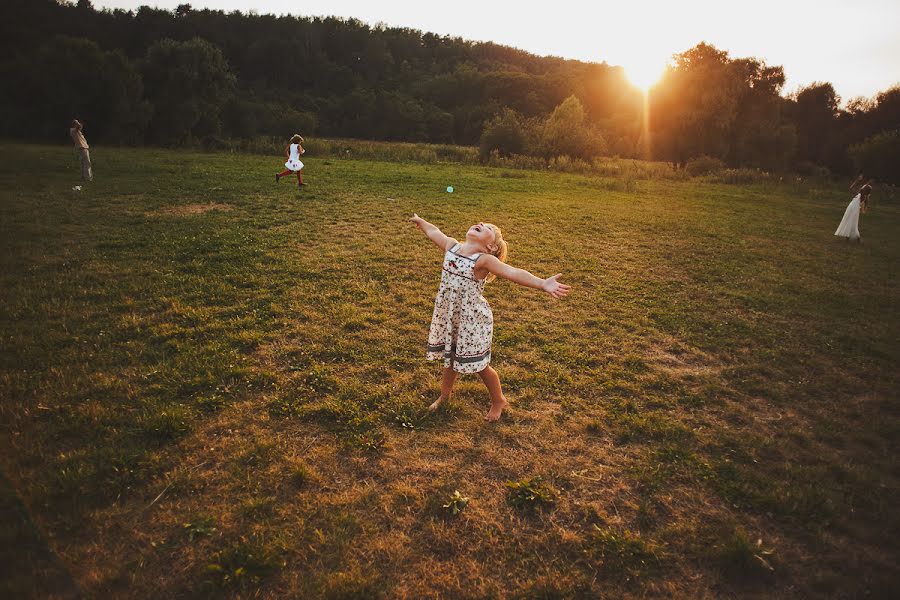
[214, 385]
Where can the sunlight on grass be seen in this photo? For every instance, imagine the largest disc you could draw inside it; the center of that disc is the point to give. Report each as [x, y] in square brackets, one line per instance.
[201, 368]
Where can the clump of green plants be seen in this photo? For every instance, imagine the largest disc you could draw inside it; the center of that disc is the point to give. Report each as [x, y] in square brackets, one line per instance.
[622, 553]
[301, 475]
[369, 440]
[531, 493]
[210, 402]
[319, 380]
[406, 412]
[455, 504]
[741, 559]
[199, 527]
[241, 565]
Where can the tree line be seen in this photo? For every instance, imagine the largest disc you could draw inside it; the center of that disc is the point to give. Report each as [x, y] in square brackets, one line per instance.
[178, 77]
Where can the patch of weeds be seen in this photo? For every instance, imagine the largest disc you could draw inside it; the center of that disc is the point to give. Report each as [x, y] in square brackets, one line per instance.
[101, 474]
[165, 424]
[740, 559]
[301, 476]
[625, 406]
[198, 527]
[649, 511]
[287, 406]
[651, 426]
[691, 400]
[595, 427]
[663, 383]
[455, 504]
[531, 494]
[357, 427]
[241, 566]
[406, 412]
[635, 364]
[258, 507]
[210, 402]
[674, 454]
[811, 502]
[622, 554]
[369, 441]
[320, 380]
[258, 454]
[350, 586]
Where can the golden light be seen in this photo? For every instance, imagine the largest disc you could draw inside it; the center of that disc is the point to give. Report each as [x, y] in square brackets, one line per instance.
[644, 73]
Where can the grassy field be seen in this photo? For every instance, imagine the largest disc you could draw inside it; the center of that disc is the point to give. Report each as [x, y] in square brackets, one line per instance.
[213, 385]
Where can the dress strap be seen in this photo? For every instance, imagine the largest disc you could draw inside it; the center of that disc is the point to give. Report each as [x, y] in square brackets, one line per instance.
[455, 247]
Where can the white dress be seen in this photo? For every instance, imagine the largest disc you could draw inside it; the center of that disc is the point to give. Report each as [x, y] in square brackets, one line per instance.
[849, 227]
[293, 163]
[462, 325]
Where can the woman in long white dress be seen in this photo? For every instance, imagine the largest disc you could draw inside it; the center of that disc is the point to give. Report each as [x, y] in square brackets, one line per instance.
[849, 227]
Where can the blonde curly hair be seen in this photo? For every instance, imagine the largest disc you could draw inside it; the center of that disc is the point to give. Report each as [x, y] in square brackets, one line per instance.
[498, 248]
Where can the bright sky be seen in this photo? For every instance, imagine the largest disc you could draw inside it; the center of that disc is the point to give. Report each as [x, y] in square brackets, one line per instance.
[854, 45]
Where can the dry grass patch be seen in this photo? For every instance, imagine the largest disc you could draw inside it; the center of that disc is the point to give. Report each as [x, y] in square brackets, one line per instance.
[185, 210]
[234, 406]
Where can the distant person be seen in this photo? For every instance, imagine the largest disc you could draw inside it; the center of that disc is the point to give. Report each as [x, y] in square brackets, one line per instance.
[82, 148]
[849, 227]
[462, 324]
[293, 165]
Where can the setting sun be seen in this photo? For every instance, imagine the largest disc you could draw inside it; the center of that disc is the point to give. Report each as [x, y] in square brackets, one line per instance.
[644, 74]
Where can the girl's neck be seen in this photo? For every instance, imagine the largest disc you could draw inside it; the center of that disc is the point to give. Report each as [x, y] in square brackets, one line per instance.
[469, 248]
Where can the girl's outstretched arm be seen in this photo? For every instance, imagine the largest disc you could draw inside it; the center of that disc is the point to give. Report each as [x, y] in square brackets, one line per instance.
[551, 285]
[434, 234]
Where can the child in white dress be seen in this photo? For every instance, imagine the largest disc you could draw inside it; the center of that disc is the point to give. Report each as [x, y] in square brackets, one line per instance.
[462, 324]
[293, 165]
[849, 227]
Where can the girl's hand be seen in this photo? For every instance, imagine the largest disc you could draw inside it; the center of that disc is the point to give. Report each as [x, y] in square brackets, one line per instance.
[552, 286]
[416, 220]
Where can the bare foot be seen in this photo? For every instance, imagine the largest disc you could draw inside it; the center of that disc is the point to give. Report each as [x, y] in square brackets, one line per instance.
[436, 404]
[496, 410]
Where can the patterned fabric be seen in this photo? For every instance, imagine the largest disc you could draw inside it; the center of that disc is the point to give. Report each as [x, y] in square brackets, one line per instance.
[462, 324]
[294, 163]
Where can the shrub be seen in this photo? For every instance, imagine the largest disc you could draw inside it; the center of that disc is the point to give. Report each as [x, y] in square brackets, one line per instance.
[531, 494]
[879, 156]
[704, 165]
[213, 143]
[566, 133]
[502, 135]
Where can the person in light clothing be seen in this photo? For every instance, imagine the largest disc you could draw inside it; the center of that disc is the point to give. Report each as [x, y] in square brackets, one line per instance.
[82, 148]
[462, 324]
[849, 227]
[293, 165]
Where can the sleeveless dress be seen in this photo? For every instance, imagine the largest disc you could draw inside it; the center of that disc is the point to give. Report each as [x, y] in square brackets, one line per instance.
[293, 163]
[849, 227]
[462, 324]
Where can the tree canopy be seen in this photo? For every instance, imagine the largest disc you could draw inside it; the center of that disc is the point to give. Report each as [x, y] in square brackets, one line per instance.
[172, 77]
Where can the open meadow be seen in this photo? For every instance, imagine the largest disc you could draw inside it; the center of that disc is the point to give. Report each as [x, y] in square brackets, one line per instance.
[214, 386]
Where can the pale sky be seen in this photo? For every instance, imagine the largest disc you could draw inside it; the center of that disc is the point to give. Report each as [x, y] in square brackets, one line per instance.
[854, 44]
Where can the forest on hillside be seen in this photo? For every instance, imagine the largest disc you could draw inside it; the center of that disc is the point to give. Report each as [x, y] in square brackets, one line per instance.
[176, 78]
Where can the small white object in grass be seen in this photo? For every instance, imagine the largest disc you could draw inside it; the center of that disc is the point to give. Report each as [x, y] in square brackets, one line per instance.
[449, 189]
[77, 188]
[391, 200]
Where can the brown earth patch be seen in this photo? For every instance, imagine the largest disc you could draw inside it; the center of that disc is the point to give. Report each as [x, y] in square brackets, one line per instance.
[189, 209]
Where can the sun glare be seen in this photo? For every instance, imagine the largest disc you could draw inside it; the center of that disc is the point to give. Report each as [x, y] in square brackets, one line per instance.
[644, 74]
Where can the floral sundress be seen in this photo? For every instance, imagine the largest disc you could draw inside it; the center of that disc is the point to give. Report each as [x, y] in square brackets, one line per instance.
[462, 325]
